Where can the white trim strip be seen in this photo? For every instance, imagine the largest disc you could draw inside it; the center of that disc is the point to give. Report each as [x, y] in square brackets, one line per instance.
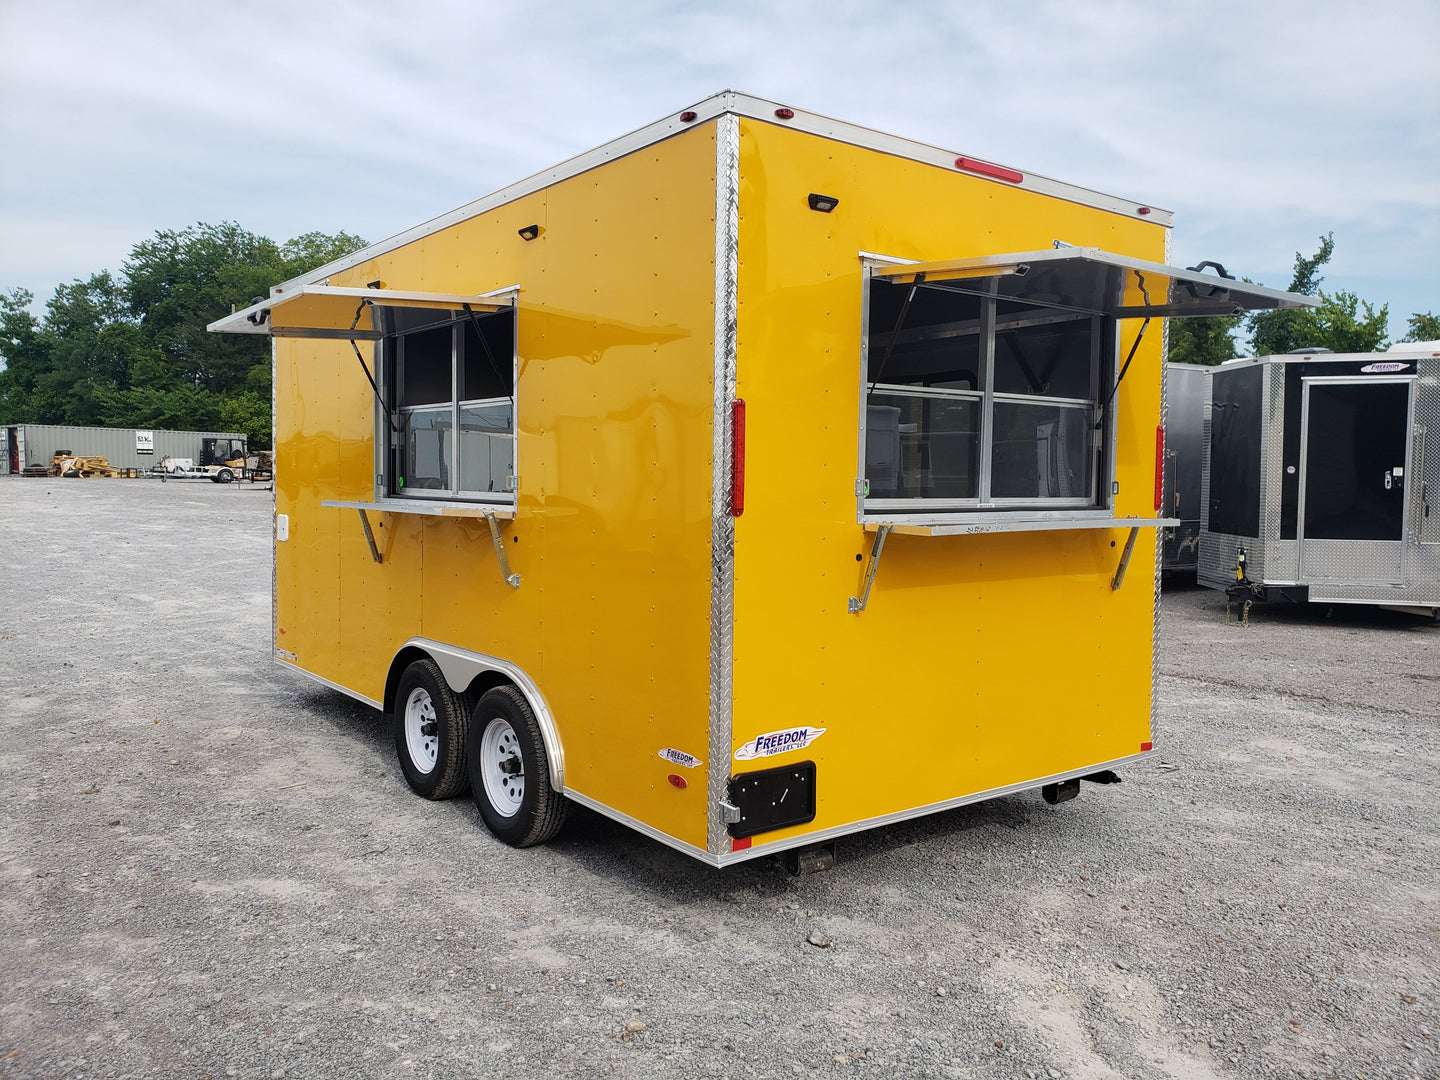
[733, 104]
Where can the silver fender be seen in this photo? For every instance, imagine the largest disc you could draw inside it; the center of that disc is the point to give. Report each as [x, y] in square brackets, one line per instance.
[461, 666]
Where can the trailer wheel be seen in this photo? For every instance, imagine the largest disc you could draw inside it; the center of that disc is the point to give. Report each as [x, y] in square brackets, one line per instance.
[430, 725]
[224, 476]
[509, 772]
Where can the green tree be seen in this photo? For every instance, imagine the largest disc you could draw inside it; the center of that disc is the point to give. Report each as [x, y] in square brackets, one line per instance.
[1274, 332]
[1345, 323]
[1424, 327]
[26, 353]
[131, 350]
[1207, 341]
[1341, 323]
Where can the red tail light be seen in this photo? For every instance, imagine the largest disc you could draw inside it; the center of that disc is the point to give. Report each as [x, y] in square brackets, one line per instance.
[737, 457]
[1159, 466]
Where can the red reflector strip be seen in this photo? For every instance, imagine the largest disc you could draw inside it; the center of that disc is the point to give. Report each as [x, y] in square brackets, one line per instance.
[1159, 466]
[1146, 746]
[984, 168]
[740, 845]
[737, 457]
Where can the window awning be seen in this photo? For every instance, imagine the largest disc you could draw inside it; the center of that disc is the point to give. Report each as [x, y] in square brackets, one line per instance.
[1097, 282]
[341, 312]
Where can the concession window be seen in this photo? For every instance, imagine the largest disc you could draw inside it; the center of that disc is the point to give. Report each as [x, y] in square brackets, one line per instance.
[990, 384]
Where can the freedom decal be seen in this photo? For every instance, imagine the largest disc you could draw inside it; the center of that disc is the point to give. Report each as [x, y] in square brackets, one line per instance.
[778, 742]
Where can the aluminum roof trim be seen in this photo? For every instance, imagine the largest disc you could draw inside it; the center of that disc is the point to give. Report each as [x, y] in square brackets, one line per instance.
[738, 104]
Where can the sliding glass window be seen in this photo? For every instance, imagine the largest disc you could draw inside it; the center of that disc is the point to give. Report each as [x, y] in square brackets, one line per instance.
[979, 402]
[452, 377]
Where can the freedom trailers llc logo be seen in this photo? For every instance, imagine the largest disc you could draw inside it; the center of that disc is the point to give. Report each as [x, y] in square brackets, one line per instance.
[679, 757]
[1385, 367]
[778, 742]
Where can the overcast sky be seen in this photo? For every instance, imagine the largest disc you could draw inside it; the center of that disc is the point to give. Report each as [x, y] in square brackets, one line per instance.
[1262, 124]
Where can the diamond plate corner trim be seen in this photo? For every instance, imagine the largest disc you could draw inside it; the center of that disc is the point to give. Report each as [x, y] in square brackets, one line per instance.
[1272, 452]
[722, 525]
[1427, 415]
[1159, 541]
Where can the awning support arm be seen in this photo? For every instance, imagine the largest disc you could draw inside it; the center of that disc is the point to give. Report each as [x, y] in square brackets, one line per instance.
[857, 603]
[899, 322]
[1119, 578]
[371, 379]
[1105, 409]
[513, 580]
[369, 537]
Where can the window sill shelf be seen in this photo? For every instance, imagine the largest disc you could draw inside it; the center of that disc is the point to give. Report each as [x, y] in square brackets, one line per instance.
[429, 508]
[918, 525]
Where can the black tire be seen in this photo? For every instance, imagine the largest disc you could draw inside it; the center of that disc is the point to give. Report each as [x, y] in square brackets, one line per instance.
[430, 721]
[535, 812]
[225, 476]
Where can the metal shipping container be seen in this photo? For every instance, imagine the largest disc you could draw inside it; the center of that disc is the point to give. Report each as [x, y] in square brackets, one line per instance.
[125, 448]
[1320, 478]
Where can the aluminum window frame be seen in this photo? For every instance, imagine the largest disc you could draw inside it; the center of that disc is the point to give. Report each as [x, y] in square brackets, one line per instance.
[985, 508]
[392, 432]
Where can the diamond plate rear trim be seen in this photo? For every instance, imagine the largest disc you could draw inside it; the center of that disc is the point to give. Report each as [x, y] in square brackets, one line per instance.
[1427, 419]
[722, 525]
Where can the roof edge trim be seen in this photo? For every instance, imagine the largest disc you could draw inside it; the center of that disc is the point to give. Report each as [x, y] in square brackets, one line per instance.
[729, 102]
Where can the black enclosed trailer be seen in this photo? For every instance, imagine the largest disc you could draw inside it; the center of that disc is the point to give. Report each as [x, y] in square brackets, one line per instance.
[1187, 393]
[1321, 478]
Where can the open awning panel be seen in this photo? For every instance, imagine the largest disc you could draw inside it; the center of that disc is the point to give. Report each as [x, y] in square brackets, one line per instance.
[332, 311]
[1097, 282]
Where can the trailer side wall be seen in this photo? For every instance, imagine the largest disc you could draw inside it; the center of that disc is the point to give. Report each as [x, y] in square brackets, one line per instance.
[612, 534]
[981, 661]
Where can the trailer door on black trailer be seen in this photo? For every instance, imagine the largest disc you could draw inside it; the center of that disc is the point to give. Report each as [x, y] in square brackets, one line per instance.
[1352, 479]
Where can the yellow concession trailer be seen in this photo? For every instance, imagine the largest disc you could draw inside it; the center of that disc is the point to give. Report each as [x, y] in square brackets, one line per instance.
[753, 479]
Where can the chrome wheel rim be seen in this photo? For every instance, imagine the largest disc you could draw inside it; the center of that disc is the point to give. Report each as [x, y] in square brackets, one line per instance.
[502, 767]
[422, 732]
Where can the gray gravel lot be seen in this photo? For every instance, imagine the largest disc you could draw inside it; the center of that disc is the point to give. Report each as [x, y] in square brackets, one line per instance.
[209, 868]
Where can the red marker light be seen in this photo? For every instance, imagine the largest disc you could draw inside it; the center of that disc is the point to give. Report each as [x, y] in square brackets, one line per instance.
[740, 845]
[785, 114]
[1159, 466]
[737, 457]
[687, 116]
[984, 168]
[677, 781]
[1143, 210]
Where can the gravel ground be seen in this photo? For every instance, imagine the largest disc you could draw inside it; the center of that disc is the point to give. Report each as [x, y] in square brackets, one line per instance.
[209, 868]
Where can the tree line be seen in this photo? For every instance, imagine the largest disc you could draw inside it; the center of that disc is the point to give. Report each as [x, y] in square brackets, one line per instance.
[130, 349]
[1342, 323]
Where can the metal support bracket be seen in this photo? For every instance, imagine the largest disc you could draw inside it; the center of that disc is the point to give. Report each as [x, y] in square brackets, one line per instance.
[857, 603]
[369, 537]
[513, 580]
[1119, 578]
